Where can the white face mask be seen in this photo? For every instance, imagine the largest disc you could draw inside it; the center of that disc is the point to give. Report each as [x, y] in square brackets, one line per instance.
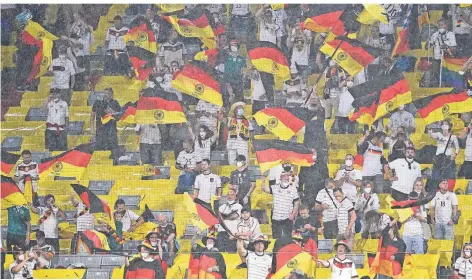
[144, 255]
[285, 184]
[21, 257]
[445, 127]
[62, 56]
[367, 190]
[348, 162]
[467, 253]
[234, 48]
[401, 107]
[202, 134]
[56, 99]
[441, 30]
[209, 246]
[153, 243]
[332, 63]
[350, 84]
[239, 164]
[240, 111]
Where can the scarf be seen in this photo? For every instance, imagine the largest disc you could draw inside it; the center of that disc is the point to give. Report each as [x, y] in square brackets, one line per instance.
[242, 127]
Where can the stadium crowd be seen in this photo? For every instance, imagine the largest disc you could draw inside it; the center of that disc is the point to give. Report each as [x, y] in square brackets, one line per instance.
[309, 202]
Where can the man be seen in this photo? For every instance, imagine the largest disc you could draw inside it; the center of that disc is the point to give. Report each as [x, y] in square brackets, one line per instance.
[248, 227]
[295, 90]
[346, 217]
[128, 216]
[284, 205]
[349, 179]
[206, 262]
[85, 220]
[44, 251]
[19, 226]
[207, 184]
[172, 50]
[231, 213]
[443, 212]
[150, 143]
[285, 168]
[189, 162]
[245, 181]
[27, 169]
[406, 171]
[144, 266]
[342, 123]
[106, 135]
[168, 233]
[341, 267]
[374, 161]
[461, 25]
[325, 202]
[307, 224]
[402, 118]
[233, 72]
[242, 23]
[444, 44]
[49, 220]
[116, 60]
[24, 264]
[63, 74]
[257, 260]
[57, 122]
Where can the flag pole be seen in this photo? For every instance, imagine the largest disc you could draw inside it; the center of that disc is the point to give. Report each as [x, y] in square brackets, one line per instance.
[440, 68]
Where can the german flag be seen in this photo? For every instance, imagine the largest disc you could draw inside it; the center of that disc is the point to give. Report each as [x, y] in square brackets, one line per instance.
[284, 122]
[384, 94]
[158, 106]
[351, 55]
[423, 16]
[270, 153]
[91, 240]
[11, 194]
[208, 56]
[197, 24]
[129, 112]
[267, 57]
[201, 213]
[199, 80]
[322, 23]
[8, 162]
[92, 201]
[140, 269]
[142, 38]
[437, 107]
[276, 7]
[450, 76]
[405, 209]
[68, 164]
[382, 264]
[170, 8]
[38, 32]
[107, 118]
[147, 215]
[142, 61]
[291, 257]
[347, 24]
[375, 11]
[208, 260]
[409, 34]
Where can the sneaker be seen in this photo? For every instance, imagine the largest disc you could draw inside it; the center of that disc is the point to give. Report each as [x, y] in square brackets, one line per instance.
[241, 265]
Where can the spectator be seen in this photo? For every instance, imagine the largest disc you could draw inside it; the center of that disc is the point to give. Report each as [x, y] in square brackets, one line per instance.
[44, 251]
[27, 169]
[85, 220]
[466, 168]
[299, 42]
[207, 184]
[343, 125]
[444, 212]
[81, 38]
[114, 236]
[189, 162]
[374, 40]
[374, 161]
[19, 226]
[325, 202]
[466, 272]
[239, 133]
[129, 219]
[245, 181]
[207, 114]
[106, 135]
[284, 168]
[218, 267]
[461, 25]
[341, 266]
[463, 260]
[349, 179]
[260, 95]
[333, 76]
[57, 122]
[257, 261]
[398, 145]
[447, 150]
[145, 262]
[308, 225]
[49, 220]
[444, 44]
[268, 28]
[365, 202]
[150, 143]
[178, 133]
[242, 22]
[204, 141]
[406, 171]
[231, 214]
[413, 234]
[172, 50]
[284, 205]
[234, 63]
[155, 239]
[280, 18]
[295, 90]
[346, 217]
[404, 119]
[249, 227]
[63, 75]
[169, 243]
[391, 239]
[116, 60]
[374, 223]
[24, 264]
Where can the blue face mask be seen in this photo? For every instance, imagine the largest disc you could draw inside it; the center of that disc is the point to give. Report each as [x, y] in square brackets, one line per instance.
[240, 111]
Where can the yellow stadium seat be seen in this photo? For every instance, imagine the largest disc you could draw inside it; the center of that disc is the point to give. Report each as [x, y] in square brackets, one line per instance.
[366, 245]
[59, 273]
[16, 114]
[7, 57]
[323, 273]
[428, 262]
[442, 247]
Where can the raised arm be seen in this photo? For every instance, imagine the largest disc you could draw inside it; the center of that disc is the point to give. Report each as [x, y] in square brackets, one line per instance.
[264, 188]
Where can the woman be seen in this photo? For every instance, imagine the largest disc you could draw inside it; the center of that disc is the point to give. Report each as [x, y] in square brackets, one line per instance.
[393, 248]
[466, 168]
[203, 141]
[463, 260]
[145, 266]
[365, 202]
[414, 234]
[238, 133]
[447, 150]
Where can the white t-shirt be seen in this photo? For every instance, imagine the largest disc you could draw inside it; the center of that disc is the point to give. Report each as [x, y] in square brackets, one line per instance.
[342, 269]
[349, 190]
[406, 176]
[128, 218]
[448, 38]
[345, 103]
[116, 38]
[49, 226]
[325, 196]
[413, 226]
[468, 148]
[442, 142]
[26, 270]
[443, 203]
[61, 78]
[372, 165]
[252, 225]
[227, 209]
[268, 31]
[57, 113]
[283, 200]
[258, 89]
[207, 186]
[280, 16]
[466, 269]
[258, 266]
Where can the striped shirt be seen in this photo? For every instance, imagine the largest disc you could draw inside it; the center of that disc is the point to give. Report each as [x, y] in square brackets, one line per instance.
[258, 266]
[30, 169]
[460, 262]
[349, 190]
[443, 203]
[406, 174]
[466, 269]
[323, 197]
[49, 226]
[116, 38]
[85, 222]
[251, 225]
[63, 69]
[344, 214]
[342, 269]
[372, 204]
[442, 142]
[413, 226]
[227, 209]
[372, 165]
[207, 186]
[203, 151]
[188, 159]
[283, 200]
[210, 121]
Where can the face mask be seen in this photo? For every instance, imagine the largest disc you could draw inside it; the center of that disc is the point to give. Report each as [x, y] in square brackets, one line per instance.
[239, 164]
[153, 243]
[287, 168]
[240, 111]
[234, 48]
[202, 134]
[441, 30]
[332, 63]
[350, 84]
[401, 107]
[445, 127]
[314, 158]
[461, 73]
[467, 253]
[56, 99]
[209, 246]
[21, 257]
[62, 56]
[367, 190]
[348, 162]
[285, 184]
[144, 255]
